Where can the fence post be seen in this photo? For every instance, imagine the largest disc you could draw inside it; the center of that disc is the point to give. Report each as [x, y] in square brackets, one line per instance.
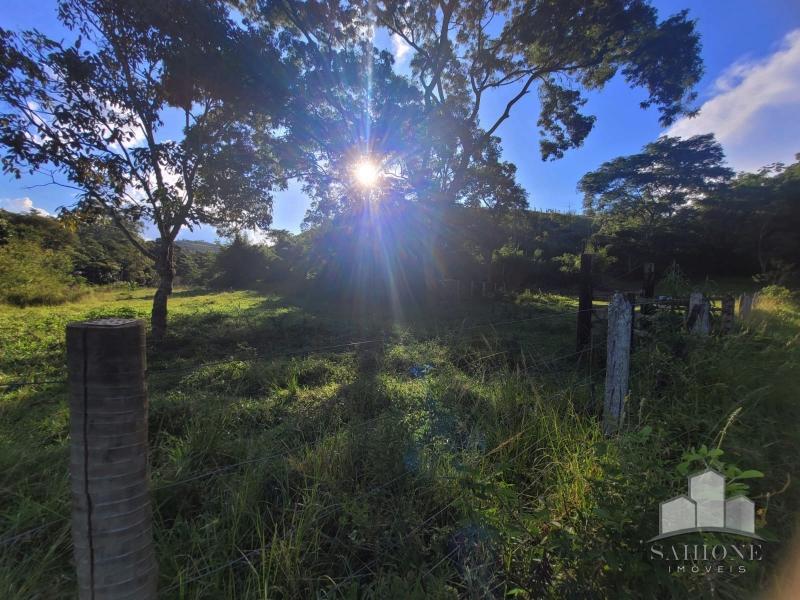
[699, 317]
[649, 287]
[618, 357]
[745, 305]
[585, 303]
[111, 512]
[727, 313]
[631, 298]
[649, 280]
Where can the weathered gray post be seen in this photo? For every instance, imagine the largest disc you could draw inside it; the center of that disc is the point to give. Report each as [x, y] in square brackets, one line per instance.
[745, 305]
[111, 512]
[699, 317]
[631, 298]
[618, 357]
[727, 314]
[584, 331]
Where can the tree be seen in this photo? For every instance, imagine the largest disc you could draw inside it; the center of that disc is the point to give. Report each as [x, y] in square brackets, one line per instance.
[240, 265]
[752, 224]
[94, 112]
[639, 195]
[430, 133]
[560, 47]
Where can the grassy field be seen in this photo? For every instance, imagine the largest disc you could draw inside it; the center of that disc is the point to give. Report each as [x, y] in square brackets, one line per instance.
[443, 458]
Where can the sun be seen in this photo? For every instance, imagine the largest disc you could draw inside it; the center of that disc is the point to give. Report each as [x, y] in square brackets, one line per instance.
[366, 173]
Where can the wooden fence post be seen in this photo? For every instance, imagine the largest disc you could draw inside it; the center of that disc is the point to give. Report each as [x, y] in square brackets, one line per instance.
[111, 512]
[584, 336]
[618, 356]
[727, 314]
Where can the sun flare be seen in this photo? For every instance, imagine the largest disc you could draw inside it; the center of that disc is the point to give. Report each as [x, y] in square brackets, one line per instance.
[366, 173]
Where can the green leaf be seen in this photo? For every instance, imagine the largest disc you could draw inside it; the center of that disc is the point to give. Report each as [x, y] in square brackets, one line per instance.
[750, 474]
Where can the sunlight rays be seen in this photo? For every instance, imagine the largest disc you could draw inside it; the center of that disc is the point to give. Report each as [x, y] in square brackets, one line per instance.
[367, 173]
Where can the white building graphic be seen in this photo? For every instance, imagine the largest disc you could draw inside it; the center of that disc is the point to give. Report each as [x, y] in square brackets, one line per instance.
[705, 509]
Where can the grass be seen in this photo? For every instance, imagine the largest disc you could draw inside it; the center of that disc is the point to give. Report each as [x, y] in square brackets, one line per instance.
[452, 460]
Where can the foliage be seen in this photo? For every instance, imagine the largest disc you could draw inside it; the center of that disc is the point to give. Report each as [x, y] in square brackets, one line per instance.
[646, 193]
[30, 275]
[97, 252]
[240, 265]
[563, 48]
[92, 109]
[777, 292]
[479, 471]
[712, 225]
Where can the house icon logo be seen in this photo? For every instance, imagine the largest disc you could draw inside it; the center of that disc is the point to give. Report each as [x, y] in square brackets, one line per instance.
[706, 509]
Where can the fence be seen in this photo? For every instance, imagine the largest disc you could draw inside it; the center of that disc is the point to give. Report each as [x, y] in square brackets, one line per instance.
[111, 517]
[624, 325]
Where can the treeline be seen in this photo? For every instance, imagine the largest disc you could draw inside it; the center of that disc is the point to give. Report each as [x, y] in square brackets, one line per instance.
[678, 201]
[397, 250]
[402, 250]
[746, 226]
[44, 260]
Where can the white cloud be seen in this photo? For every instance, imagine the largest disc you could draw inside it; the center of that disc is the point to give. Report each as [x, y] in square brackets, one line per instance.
[753, 109]
[400, 49]
[22, 205]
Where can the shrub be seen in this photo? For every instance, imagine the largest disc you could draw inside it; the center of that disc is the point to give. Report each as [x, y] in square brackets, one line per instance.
[31, 275]
[777, 292]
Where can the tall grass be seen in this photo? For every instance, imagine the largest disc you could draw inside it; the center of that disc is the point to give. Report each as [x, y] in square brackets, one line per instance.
[431, 466]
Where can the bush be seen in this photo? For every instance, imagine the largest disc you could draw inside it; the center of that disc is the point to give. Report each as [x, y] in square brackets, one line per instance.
[777, 292]
[31, 275]
[240, 265]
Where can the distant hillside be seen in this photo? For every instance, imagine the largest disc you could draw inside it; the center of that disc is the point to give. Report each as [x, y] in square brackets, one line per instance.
[198, 246]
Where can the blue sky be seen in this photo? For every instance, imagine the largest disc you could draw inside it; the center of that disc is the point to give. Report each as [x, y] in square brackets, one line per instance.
[749, 97]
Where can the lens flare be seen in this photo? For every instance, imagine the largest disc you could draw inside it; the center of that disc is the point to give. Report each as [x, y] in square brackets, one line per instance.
[366, 173]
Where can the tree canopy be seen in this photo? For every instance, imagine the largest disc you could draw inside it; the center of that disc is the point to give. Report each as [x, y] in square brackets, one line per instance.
[93, 111]
[645, 191]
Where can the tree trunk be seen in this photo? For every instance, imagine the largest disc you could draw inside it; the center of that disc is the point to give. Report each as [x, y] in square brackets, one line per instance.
[165, 266]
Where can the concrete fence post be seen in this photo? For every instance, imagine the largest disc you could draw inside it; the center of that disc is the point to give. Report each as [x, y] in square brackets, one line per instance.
[745, 305]
[631, 298]
[109, 475]
[618, 357]
[698, 318]
[727, 314]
